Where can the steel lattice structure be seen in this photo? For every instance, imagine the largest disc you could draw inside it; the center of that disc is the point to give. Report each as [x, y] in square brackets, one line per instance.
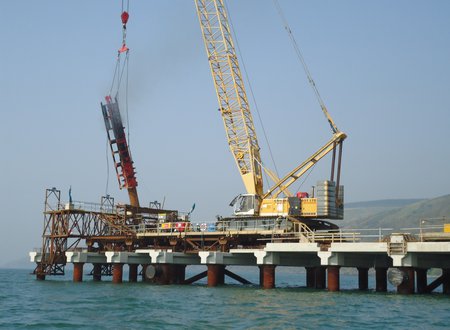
[230, 91]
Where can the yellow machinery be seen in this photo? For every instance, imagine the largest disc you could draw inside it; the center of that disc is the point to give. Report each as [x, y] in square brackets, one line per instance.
[242, 138]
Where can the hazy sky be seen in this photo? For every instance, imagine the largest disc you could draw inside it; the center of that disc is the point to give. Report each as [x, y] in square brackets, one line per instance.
[382, 68]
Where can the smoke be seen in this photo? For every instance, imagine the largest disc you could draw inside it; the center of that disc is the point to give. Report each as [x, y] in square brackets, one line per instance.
[160, 55]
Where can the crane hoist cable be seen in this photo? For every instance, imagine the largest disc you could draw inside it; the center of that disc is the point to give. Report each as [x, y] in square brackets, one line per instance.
[122, 51]
[305, 67]
[120, 70]
[125, 67]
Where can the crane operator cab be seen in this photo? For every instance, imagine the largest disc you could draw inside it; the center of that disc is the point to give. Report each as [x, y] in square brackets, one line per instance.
[245, 204]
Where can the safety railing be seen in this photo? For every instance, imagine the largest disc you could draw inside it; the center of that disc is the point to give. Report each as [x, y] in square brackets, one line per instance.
[289, 230]
[86, 206]
[249, 225]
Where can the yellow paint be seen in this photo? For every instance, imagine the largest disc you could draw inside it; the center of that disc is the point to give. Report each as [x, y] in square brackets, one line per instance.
[277, 206]
[167, 225]
[309, 207]
[447, 228]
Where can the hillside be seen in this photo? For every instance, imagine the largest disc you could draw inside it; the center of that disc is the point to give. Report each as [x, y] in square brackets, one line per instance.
[394, 214]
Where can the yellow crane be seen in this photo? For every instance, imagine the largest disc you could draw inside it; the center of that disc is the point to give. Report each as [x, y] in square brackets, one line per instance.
[243, 141]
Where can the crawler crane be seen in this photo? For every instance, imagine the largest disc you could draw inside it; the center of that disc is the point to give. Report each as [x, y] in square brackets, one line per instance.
[276, 202]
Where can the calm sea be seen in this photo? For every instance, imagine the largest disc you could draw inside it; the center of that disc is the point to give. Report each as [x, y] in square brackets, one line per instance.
[58, 303]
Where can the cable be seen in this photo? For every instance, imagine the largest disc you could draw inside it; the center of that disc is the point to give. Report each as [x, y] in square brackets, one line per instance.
[122, 70]
[309, 172]
[251, 90]
[305, 67]
[107, 168]
[115, 73]
[126, 104]
[119, 71]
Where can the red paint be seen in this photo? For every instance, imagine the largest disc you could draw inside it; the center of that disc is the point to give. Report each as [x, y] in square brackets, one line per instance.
[333, 278]
[117, 271]
[268, 276]
[216, 275]
[77, 272]
[124, 17]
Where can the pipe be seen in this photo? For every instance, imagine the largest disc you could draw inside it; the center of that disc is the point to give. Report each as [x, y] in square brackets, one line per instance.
[421, 278]
[381, 279]
[310, 277]
[268, 276]
[78, 272]
[407, 286]
[216, 275]
[333, 278]
[97, 272]
[117, 273]
[363, 278]
[320, 277]
[133, 272]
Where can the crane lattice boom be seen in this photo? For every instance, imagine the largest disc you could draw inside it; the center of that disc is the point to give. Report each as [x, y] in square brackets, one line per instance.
[230, 91]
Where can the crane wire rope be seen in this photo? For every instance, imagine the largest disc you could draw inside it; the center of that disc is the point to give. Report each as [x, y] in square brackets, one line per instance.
[305, 67]
[107, 167]
[251, 91]
[306, 178]
[119, 71]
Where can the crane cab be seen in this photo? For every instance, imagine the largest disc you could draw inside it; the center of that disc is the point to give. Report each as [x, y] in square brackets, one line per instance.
[245, 205]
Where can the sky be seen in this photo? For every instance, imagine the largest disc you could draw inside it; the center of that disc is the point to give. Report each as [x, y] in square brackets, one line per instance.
[382, 68]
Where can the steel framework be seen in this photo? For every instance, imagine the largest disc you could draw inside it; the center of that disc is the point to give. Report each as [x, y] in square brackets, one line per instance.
[111, 227]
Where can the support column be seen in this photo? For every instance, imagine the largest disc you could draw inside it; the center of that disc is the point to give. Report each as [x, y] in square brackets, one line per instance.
[446, 282]
[39, 274]
[261, 276]
[78, 272]
[180, 274]
[167, 275]
[310, 277]
[407, 287]
[216, 275]
[117, 271]
[267, 276]
[320, 277]
[40, 277]
[363, 278]
[380, 279]
[333, 278]
[144, 268]
[421, 280]
[97, 272]
[133, 272]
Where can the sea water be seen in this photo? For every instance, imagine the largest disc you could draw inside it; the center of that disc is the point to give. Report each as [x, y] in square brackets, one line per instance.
[58, 303]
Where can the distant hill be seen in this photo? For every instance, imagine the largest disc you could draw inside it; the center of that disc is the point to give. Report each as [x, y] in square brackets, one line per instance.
[396, 214]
